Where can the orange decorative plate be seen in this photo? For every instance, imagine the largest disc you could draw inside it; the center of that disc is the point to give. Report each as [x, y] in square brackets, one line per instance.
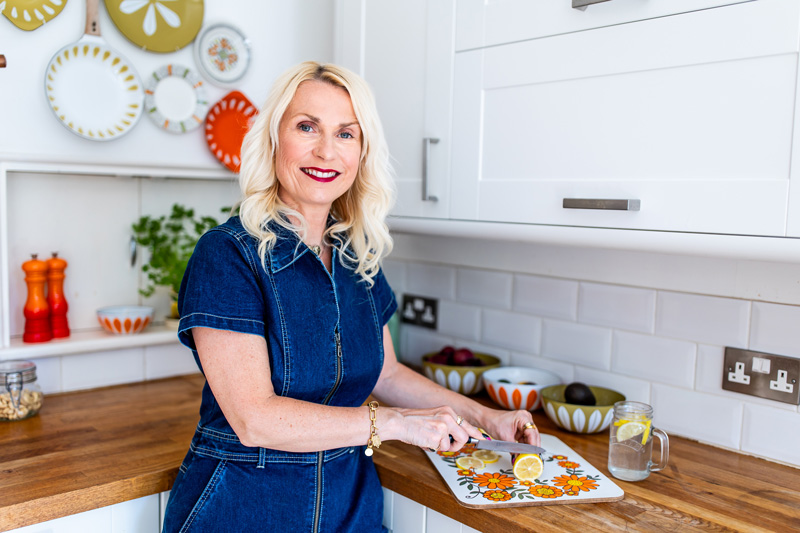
[226, 125]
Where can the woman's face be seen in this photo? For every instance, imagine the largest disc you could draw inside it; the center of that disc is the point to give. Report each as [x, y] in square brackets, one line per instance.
[319, 147]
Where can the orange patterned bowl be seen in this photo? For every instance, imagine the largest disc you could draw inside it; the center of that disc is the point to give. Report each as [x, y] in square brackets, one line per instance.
[518, 387]
[125, 319]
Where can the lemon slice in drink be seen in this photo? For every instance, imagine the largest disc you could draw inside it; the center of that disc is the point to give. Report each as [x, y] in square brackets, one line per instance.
[466, 462]
[528, 467]
[487, 456]
[629, 430]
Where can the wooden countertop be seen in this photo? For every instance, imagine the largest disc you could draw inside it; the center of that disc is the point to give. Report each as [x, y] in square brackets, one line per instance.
[95, 448]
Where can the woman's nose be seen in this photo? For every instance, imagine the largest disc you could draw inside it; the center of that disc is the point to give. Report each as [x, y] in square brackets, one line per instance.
[324, 148]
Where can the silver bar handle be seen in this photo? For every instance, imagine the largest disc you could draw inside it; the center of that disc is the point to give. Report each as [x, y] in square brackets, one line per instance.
[583, 4]
[426, 155]
[601, 203]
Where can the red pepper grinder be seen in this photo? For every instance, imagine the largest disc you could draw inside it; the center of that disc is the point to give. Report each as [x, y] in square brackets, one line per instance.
[55, 296]
[37, 312]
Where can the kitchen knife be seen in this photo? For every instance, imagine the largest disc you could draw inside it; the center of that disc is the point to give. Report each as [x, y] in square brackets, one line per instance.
[505, 446]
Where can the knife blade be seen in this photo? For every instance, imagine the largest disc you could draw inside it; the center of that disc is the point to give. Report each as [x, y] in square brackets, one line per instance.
[505, 446]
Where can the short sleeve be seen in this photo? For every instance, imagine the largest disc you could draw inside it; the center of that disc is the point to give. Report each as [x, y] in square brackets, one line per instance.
[220, 289]
[385, 301]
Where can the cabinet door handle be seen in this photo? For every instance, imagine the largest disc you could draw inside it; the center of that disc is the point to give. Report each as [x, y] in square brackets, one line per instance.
[601, 203]
[583, 4]
[426, 155]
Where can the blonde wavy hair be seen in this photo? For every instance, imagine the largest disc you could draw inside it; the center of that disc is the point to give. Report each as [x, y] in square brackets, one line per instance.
[360, 213]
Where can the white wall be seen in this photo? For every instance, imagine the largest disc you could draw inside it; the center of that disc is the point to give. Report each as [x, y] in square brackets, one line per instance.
[652, 326]
[281, 34]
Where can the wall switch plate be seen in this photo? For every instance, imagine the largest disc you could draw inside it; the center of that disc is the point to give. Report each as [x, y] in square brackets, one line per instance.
[774, 377]
[419, 311]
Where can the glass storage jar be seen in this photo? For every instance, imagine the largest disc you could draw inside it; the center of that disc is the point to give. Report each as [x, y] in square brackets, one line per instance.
[20, 394]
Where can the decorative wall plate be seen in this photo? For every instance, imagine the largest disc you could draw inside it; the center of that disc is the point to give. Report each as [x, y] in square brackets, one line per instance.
[222, 54]
[157, 25]
[175, 98]
[93, 90]
[226, 125]
[31, 14]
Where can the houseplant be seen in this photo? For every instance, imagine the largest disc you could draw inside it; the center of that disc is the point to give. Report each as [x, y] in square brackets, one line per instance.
[170, 241]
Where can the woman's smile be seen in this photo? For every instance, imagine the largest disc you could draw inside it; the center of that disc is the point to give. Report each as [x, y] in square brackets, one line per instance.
[320, 174]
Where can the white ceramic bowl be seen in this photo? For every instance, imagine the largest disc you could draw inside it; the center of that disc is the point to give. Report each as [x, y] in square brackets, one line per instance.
[125, 319]
[518, 387]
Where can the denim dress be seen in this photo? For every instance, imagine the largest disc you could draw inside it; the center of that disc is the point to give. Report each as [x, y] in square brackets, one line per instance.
[324, 332]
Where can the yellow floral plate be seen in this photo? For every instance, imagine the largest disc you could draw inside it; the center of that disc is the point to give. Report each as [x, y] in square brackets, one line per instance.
[175, 98]
[31, 14]
[567, 478]
[157, 25]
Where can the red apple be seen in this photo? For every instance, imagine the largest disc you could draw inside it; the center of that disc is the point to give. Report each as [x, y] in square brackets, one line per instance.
[462, 355]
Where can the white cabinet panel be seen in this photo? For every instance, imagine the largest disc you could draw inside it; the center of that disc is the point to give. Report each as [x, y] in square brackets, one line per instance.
[482, 23]
[134, 516]
[408, 56]
[696, 125]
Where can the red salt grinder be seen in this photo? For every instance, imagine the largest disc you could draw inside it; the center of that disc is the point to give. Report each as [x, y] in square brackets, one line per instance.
[37, 312]
[55, 296]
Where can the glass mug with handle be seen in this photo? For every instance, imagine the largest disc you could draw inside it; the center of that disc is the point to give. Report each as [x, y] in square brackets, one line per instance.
[630, 449]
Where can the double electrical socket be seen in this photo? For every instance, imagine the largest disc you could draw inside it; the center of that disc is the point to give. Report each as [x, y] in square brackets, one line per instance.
[774, 377]
[419, 311]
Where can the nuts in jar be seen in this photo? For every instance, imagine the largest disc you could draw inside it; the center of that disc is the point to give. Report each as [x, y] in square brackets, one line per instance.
[20, 394]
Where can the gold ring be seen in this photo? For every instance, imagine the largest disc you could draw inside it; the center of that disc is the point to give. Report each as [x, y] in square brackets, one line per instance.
[459, 419]
[529, 425]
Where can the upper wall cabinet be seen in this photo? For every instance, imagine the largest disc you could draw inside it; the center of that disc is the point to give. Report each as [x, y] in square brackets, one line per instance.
[676, 115]
[408, 52]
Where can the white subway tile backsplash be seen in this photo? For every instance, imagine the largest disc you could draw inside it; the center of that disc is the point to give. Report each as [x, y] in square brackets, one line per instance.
[100, 369]
[565, 371]
[165, 360]
[395, 272]
[511, 330]
[577, 343]
[774, 329]
[433, 281]
[550, 297]
[705, 417]
[771, 433]
[617, 307]
[418, 341]
[654, 358]
[484, 287]
[637, 390]
[708, 378]
[459, 320]
[707, 319]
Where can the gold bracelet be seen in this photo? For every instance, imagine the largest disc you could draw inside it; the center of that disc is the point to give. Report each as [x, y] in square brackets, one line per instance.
[374, 439]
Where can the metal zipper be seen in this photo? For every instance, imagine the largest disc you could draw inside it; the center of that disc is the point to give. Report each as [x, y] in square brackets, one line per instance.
[320, 455]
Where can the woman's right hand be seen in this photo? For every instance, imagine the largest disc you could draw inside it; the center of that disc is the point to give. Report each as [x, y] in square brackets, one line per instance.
[431, 428]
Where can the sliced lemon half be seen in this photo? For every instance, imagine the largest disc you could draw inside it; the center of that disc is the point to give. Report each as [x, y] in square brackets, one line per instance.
[528, 467]
[629, 430]
[487, 456]
[467, 462]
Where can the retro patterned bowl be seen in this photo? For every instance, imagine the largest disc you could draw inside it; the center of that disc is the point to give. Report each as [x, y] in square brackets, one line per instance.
[462, 379]
[518, 387]
[580, 418]
[125, 319]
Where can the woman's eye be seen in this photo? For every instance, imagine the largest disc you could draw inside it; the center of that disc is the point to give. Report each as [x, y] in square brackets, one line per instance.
[346, 135]
[305, 127]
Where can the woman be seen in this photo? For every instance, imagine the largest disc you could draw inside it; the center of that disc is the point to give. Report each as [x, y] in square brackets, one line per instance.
[285, 308]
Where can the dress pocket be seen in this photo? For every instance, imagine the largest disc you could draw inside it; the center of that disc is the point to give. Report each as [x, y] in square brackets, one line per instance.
[193, 488]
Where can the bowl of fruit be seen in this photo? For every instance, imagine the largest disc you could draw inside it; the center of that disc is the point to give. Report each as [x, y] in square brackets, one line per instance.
[459, 369]
[580, 408]
[518, 387]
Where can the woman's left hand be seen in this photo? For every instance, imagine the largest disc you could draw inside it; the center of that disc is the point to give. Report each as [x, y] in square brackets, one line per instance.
[511, 426]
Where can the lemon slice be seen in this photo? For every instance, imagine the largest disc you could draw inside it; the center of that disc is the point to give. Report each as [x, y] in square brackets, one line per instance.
[487, 456]
[528, 467]
[467, 462]
[629, 430]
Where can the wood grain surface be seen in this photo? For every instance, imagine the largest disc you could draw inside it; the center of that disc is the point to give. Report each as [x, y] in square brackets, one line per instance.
[95, 448]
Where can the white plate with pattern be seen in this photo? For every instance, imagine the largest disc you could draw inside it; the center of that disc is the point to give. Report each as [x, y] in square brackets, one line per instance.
[222, 54]
[175, 98]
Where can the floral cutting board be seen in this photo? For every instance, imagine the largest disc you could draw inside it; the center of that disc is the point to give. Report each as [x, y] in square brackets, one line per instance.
[567, 478]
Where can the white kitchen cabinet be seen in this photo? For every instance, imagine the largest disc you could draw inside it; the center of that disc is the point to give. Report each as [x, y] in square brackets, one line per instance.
[691, 115]
[407, 53]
